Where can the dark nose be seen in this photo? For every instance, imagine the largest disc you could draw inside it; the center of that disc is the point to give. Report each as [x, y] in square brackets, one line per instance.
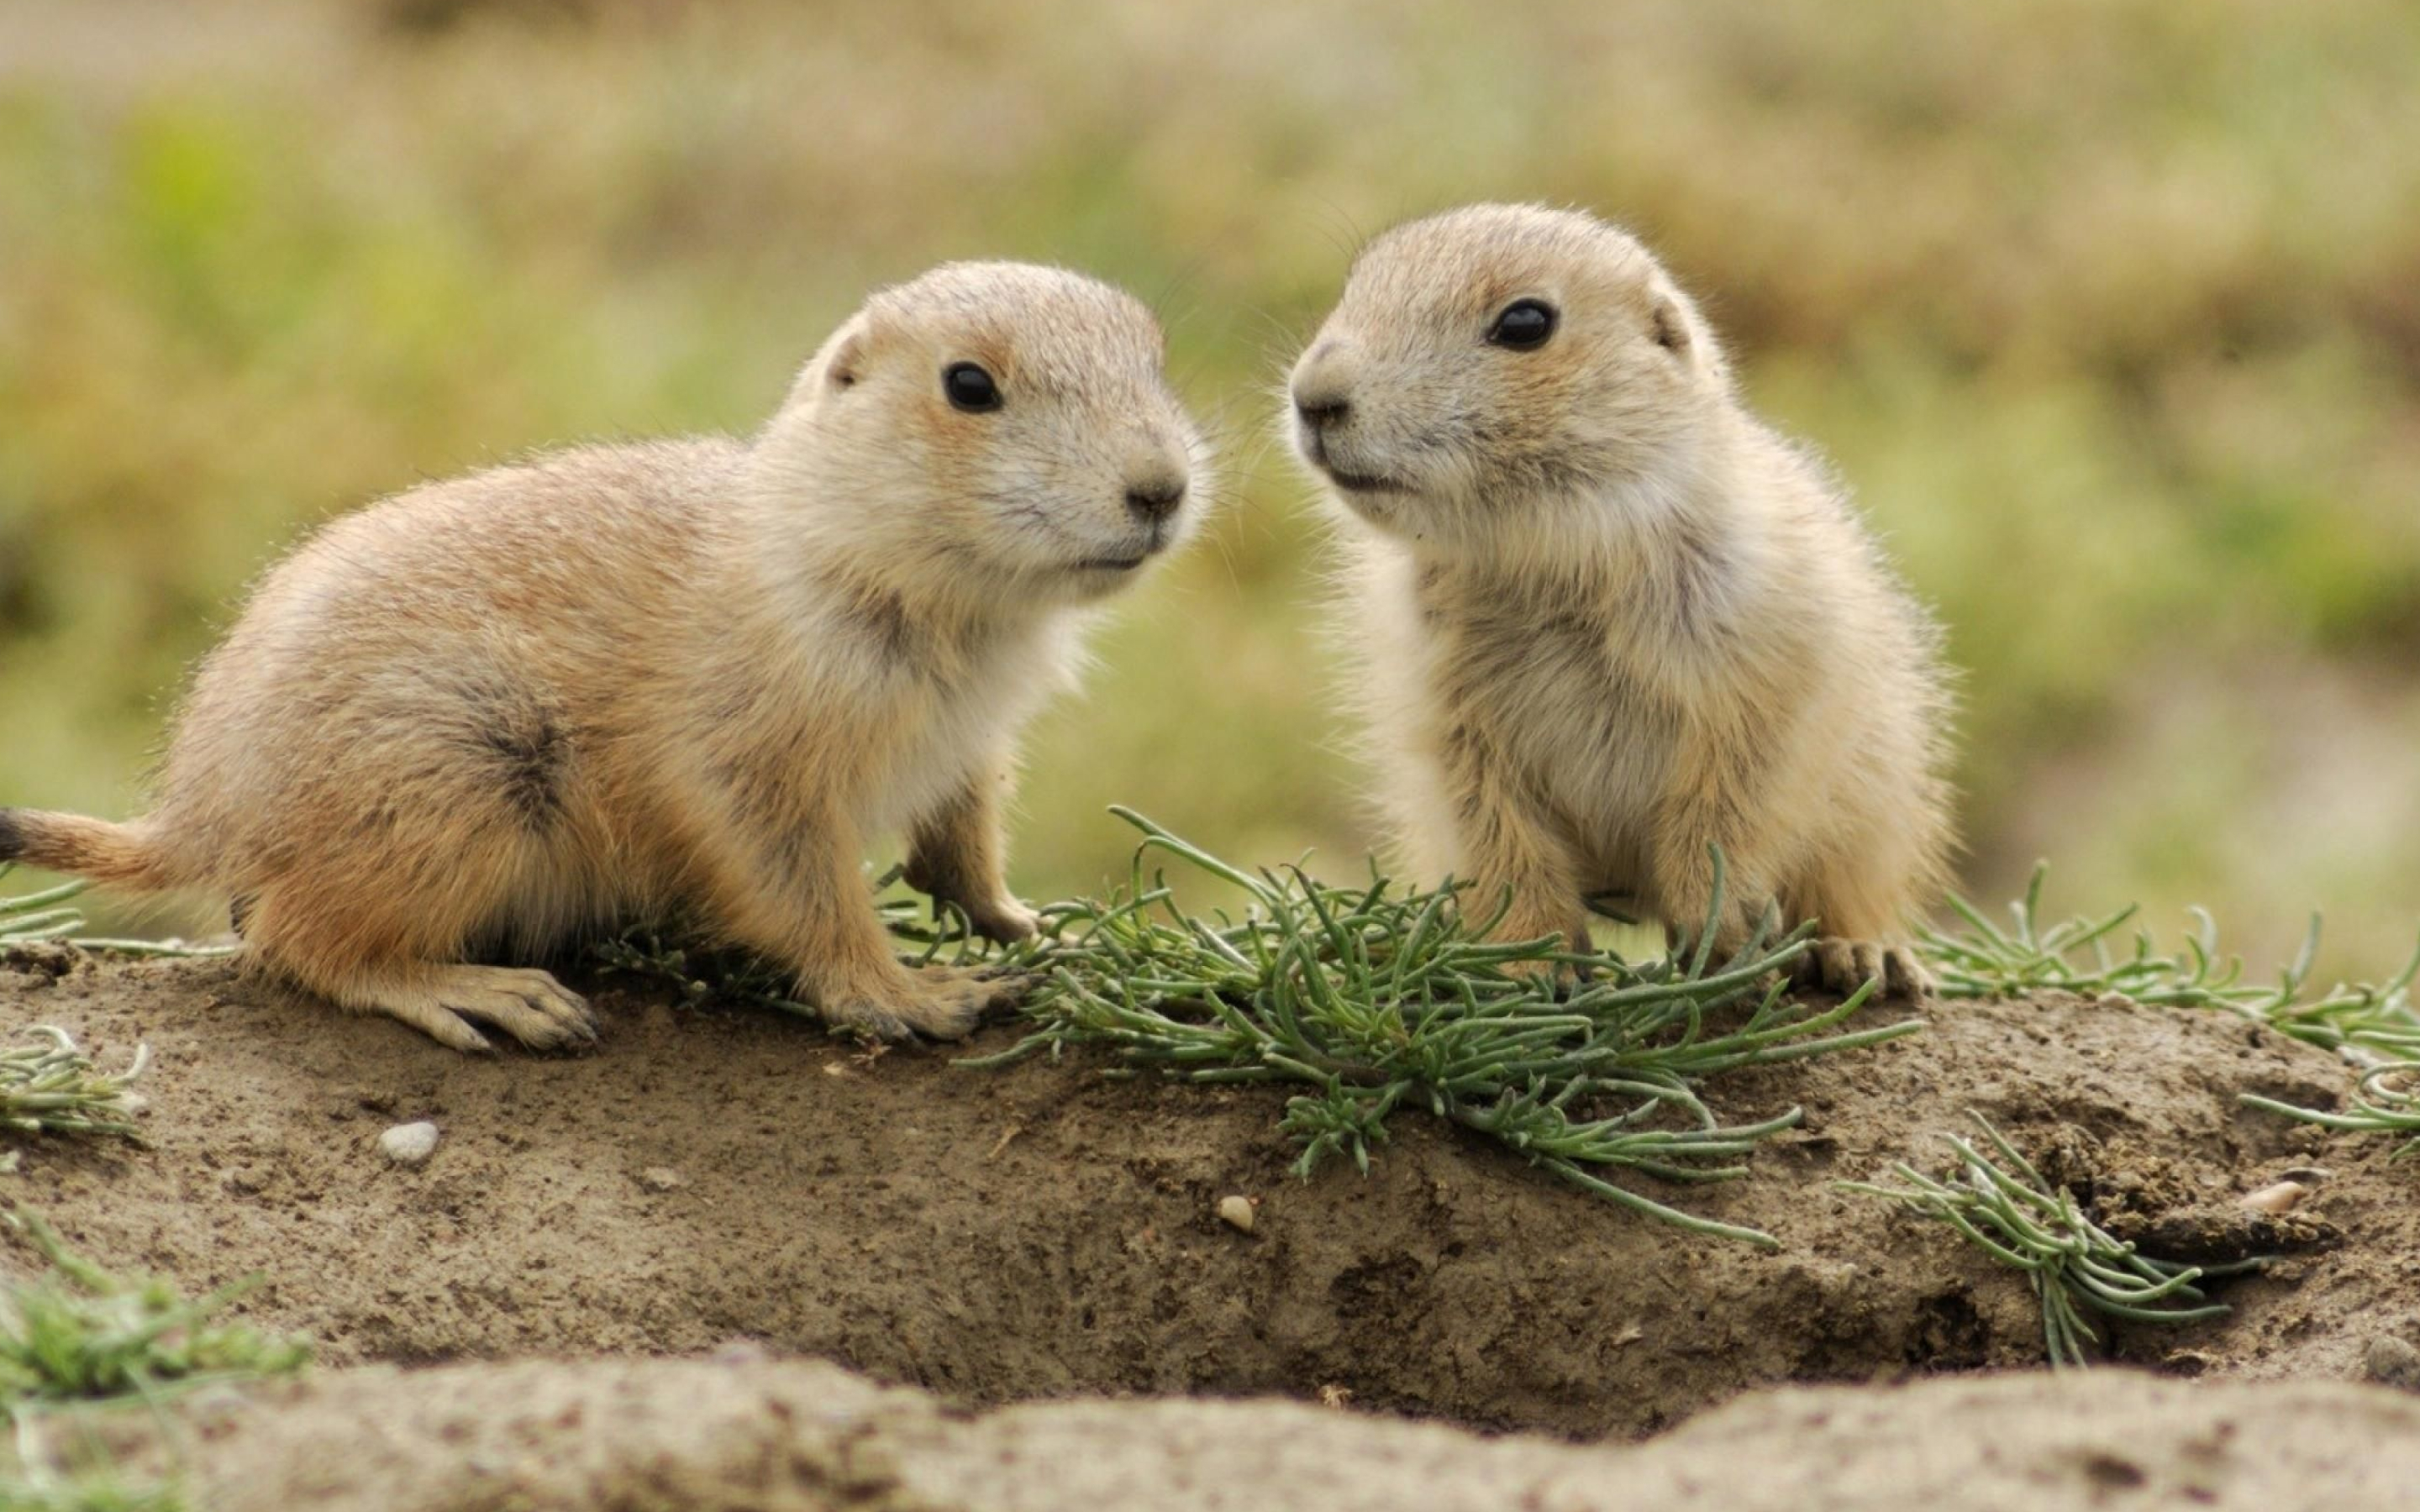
[1321, 410]
[1155, 500]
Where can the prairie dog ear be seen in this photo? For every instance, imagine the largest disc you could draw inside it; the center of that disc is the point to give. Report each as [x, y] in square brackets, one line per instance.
[844, 354]
[838, 365]
[1679, 329]
[1671, 326]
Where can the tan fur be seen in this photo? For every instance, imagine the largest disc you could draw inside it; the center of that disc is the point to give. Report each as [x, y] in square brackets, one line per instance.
[693, 676]
[1606, 618]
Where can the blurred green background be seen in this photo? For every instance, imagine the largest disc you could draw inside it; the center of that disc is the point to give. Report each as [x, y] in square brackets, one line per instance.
[2109, 309]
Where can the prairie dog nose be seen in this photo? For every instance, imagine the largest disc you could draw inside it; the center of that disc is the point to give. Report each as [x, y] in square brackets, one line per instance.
[1321, 410]
[1154, 498]
[1323, 390]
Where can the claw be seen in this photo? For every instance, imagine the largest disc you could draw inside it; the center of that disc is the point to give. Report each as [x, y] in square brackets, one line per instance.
[441, 1002]
[1842, 965]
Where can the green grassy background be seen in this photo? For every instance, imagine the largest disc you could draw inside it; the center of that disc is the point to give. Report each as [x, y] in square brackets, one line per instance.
[2110, 309]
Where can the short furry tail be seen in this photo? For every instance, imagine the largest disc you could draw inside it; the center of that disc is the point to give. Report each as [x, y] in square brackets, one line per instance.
[119, 855]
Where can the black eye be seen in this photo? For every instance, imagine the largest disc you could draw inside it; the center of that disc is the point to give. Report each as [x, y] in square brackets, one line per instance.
[969, 388]
[1524, 325]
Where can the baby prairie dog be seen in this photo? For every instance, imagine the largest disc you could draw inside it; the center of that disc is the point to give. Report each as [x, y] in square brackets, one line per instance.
[696, 676]
[1608, 620]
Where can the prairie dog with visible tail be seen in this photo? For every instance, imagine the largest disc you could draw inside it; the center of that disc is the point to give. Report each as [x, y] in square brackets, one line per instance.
[1607, 618]
[619, 681]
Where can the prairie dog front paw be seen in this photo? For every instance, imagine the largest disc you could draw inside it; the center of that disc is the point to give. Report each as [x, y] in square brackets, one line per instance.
[937, 1002]
[1842, 965]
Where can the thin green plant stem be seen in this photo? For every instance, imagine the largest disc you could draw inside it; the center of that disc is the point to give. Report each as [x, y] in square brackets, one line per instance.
[33, 917]
[2386, 1099]
[2365, 1022]
[2003, 1208]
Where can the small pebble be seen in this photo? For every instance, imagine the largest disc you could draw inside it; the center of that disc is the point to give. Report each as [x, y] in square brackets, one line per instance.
[2278, 1196]
[661, 1178]
[2392, 1362]
[408, 1144]
[1240, 1212]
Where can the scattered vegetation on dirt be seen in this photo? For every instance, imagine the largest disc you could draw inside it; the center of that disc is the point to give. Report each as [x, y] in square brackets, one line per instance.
[955, 1229]
[80, 1333]
[1381, 998]
[2386, 1101]
[81, 1336]
[33, 917]
[2074, 1265]
[2373, 1026]
[49, 1085]
[2366, 1021]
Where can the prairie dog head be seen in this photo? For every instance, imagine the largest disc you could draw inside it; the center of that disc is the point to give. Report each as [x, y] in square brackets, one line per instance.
[1505, 374]
[1000, 427]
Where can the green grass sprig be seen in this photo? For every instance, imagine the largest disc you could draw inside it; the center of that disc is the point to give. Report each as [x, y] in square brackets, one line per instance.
[1380, 999]
[2074, 1266]
[49, 1086]
[2368, 1021]
[2385, 1101]
[32, 918]
[80, 1333]
[80, 1337]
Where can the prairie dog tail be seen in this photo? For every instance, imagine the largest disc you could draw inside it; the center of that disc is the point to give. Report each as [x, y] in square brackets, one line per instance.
[124, 856]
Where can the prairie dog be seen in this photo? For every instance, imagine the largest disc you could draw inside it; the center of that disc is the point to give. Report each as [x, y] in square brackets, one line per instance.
[1607, 618]
[504, 709]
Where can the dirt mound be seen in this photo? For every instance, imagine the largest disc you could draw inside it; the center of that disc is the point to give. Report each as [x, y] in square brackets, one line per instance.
[1040, 1230]
[724, 1436]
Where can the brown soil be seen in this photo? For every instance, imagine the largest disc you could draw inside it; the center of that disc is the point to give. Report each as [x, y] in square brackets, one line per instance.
[1043, 1232]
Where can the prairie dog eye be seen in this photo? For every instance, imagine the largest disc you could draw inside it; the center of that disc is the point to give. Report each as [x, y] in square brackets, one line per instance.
[1524, 325]
[969, 387]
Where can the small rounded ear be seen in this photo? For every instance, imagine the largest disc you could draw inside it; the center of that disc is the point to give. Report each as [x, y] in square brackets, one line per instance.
[842, 359]
[1670, 326]
[837, 364]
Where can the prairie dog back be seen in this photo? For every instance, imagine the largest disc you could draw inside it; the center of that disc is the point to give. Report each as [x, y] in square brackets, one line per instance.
[1607, 620]
[494, 712]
